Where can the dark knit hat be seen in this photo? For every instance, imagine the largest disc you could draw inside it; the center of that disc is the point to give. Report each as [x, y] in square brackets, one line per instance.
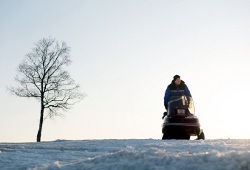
[176, 77]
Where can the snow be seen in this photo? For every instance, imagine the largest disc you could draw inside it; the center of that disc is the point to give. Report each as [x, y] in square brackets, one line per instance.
[127, 154]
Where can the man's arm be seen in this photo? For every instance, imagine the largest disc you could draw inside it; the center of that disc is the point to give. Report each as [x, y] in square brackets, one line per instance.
[166, 97]
[187, 92]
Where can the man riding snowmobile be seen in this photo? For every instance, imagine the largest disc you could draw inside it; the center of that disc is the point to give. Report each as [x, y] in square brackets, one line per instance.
[176, 88]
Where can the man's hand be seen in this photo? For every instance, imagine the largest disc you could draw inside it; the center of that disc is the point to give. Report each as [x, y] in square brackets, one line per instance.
[164, 114]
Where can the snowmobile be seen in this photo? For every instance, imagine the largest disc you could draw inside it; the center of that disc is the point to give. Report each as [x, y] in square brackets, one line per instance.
[179, 122]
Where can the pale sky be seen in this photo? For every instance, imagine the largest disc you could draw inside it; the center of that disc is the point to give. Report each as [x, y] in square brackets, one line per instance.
[125, 53]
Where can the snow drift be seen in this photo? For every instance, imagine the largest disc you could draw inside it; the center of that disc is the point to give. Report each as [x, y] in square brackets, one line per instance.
[127, 154]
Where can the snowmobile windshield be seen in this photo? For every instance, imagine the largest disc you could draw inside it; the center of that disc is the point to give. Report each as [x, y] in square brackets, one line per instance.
[180, 105]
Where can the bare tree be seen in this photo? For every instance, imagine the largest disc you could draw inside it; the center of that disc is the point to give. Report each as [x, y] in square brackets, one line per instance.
[42, 75]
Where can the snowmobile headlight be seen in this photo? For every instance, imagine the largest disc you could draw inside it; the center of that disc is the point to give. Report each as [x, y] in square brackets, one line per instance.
[181, 111]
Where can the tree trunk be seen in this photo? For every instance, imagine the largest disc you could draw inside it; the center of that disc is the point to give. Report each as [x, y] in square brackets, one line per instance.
[39, 133]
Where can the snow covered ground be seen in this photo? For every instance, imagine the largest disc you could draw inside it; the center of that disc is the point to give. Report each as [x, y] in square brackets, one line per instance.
[127, 154]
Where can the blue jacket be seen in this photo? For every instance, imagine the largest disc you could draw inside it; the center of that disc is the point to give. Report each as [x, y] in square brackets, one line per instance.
[174, 90]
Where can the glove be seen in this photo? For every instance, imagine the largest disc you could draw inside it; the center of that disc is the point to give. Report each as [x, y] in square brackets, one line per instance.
[164, 114]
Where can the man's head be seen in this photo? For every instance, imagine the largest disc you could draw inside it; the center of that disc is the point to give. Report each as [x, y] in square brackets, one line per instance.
[177, 79]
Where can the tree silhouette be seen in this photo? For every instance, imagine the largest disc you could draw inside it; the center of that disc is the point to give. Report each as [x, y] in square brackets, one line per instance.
[42, 75]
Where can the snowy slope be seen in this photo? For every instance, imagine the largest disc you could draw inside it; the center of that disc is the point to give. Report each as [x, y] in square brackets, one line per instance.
[127, 154]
